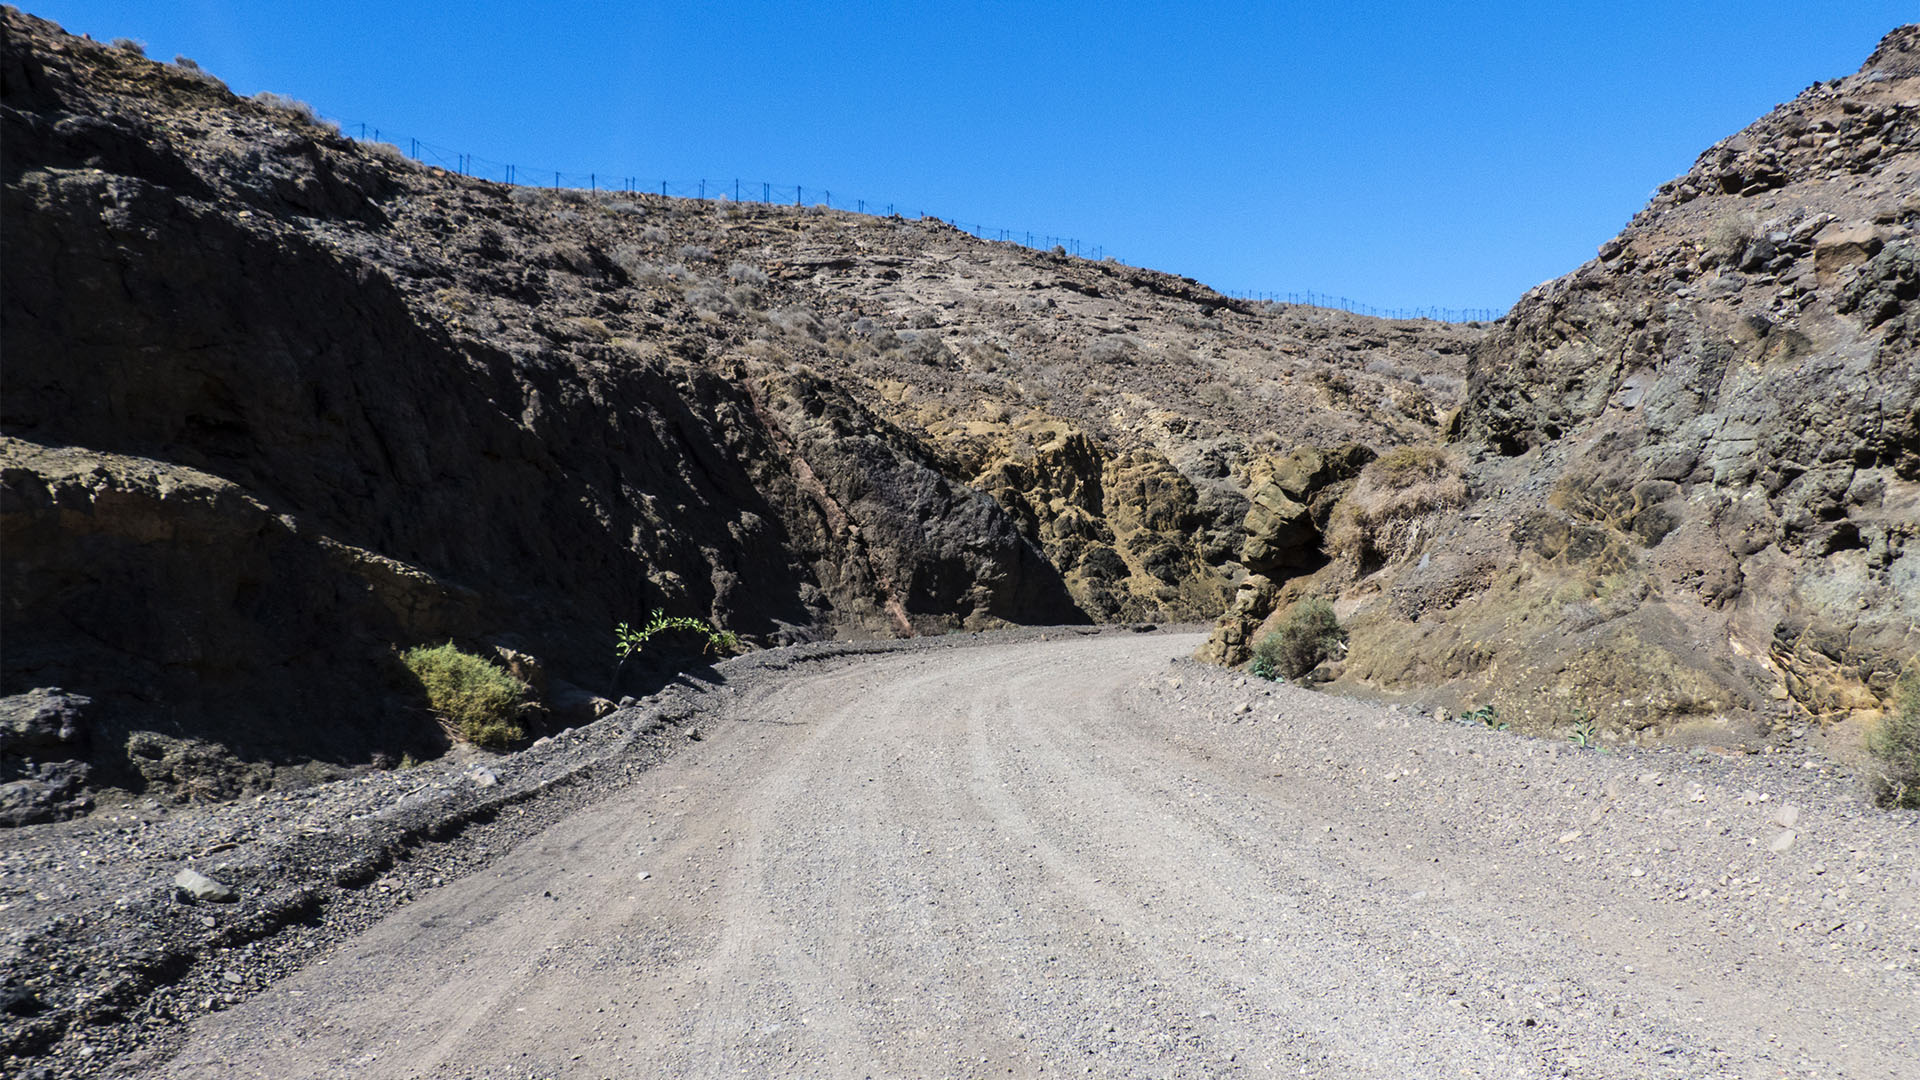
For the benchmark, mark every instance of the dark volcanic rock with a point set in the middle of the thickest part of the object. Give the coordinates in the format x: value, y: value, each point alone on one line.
x: 48, y: 791
x: 279, y: 404
x: 42, y: 722
x: 242, y: 466
x: 45, y: 739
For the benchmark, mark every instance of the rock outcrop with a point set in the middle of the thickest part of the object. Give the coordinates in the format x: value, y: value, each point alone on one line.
x: 278, y: 404
x: 1694, y: 462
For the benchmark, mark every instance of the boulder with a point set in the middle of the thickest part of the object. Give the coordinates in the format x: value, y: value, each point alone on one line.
x: 51, y: 791
x: 570, y: 706
x: 1280, y: 532
x: 43, y: 720
x: 1839, y: 246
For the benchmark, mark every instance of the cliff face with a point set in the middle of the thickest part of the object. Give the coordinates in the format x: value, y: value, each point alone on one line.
x: 1693, y: 462
x: 278, y: 403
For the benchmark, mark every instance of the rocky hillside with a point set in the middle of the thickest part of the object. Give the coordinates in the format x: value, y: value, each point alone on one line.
x: 1684, y: 495
x: 278, y: 404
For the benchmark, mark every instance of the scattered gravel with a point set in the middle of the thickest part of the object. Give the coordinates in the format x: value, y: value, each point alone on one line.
x: 1074, y: 857
x: 112, y: 935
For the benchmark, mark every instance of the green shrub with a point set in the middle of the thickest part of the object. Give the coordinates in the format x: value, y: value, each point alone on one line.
x: 1895, y: 744
x: 627, y: 640
x: 1586, y: 730
x: 1309, y: 635
x: 1486, y: 716
x: 477, y: 701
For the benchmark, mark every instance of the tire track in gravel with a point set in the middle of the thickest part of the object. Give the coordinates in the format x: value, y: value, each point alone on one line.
x: 1047, y: 859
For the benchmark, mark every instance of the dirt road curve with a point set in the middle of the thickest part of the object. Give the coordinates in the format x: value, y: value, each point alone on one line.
x: 1072, y: 858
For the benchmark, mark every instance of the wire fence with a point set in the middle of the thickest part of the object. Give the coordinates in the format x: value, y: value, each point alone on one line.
x: 1342, y: 303
x: 761, y: 191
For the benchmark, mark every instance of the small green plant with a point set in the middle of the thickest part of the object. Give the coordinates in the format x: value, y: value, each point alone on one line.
x: 627, y: 640
x: 1309, y: 635
x: 1895, y: 744
x: 475, y: 700
x: 1486, y: 716
x: 1586, y: 732
x: 1264, y: 664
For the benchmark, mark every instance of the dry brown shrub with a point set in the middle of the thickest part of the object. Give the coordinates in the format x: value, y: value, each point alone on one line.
x: 1895, y: 745
x: 1384, y: 517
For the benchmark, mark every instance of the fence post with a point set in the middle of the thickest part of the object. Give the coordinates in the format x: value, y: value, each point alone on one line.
x: 796, y: 194
x: 556, y: 179
x: 703, y: 188
x: 593, y: 182
x: 415, y: 144
x: 829, y: 200
x: 736, y: 189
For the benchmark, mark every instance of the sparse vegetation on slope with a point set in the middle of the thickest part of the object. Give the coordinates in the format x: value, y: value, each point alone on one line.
x: 1895, y: 744
x: 477, y: 701
x: 628, y: 640
x: 789, y: 422
x: 1381, y: 519
x: 1681, y: 489
x: 1309, y: 634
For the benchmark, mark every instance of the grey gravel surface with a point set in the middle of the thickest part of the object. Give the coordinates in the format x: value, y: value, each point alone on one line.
x: 1075, y: 857
x: 119, y: 928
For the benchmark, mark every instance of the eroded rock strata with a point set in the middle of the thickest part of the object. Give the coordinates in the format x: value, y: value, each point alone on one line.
x: 1692, y: 465
x: 279, y: 403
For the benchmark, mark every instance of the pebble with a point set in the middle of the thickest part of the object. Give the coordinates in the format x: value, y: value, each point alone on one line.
x: 1783, y: 841
x: 199, y: 886
x: 483, y: 776
x: 1787, y: 816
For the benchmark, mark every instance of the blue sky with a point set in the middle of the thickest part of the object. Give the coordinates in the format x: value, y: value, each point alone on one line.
x: 1401, y: 154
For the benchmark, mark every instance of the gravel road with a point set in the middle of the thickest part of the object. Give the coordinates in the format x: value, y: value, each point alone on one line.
x: 1091, y: 857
